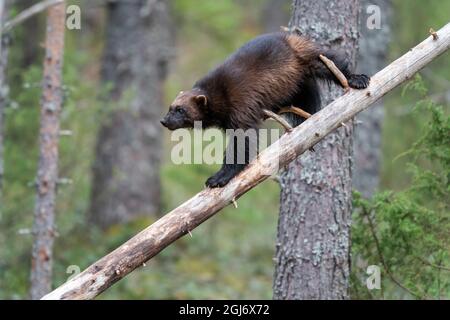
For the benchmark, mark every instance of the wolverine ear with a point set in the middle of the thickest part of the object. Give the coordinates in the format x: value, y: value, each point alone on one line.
x: 201, y: 100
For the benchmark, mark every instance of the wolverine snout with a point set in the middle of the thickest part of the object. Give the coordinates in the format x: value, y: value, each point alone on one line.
x: 170, y: 123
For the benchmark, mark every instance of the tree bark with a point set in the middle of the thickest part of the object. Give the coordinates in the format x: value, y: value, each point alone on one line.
x: 180, y: 221
x: 367, y: 138
x: 3, y: 89
x: 126, y: 180
x: 313, y: 241
x: 47, y: 175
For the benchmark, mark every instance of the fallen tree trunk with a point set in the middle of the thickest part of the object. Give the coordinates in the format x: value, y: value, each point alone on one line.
x: 180, y: 221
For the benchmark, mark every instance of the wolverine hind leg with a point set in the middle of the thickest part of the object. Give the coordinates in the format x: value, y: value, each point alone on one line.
x: 322, y: 71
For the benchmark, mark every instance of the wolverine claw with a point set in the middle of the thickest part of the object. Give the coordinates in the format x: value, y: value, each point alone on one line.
x: 358, y: 81
x: 217, y: 181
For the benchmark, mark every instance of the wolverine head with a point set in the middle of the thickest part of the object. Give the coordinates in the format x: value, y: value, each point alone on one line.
x: 187, y: 108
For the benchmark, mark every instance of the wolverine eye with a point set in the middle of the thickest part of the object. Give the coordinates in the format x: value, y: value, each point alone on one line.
x: 179, y: 109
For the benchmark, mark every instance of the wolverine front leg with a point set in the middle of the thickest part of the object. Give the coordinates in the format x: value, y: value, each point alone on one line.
x: 240, y: 151
x: 224, y: 175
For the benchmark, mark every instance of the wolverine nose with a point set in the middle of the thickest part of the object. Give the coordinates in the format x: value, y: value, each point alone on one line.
x: 163, y: 122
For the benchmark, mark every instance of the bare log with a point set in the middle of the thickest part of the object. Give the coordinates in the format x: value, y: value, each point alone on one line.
x: 47, y: 175
x: 28, y: 13
x: 180, y: 221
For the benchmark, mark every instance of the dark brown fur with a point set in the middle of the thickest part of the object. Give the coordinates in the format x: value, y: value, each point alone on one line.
x: 263, y: 74
x: 269, y: 72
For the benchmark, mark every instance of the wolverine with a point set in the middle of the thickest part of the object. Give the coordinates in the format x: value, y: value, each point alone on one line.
x: 270, y: 72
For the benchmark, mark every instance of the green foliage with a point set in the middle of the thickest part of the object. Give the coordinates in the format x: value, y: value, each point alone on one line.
x: 401, y: 128
x: 225, y: 14
x: 406, y: 232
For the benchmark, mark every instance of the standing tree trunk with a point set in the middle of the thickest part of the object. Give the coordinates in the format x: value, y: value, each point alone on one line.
x: 126, y: 180
x: 3, y: 89
x: 47, y: 175
x: 367, y: 137
x: 313, y: 241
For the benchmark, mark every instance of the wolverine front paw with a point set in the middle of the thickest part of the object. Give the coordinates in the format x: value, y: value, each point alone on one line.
x: 358, y: 81
x: 218, y: 180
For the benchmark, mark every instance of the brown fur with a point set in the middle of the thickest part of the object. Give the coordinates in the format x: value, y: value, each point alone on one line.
x: 264, y: 73
x: 269, y: 72
x: 263, y: 76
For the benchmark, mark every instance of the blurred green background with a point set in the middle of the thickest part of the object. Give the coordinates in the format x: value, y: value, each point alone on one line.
x: 229, y: 256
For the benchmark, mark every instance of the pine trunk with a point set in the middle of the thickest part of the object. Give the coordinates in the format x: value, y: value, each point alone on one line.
x: 47, y: 175
x: 313, y: 241
x: 126, y: 180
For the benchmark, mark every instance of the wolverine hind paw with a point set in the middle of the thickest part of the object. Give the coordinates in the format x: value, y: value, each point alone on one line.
x: 358, y: 81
